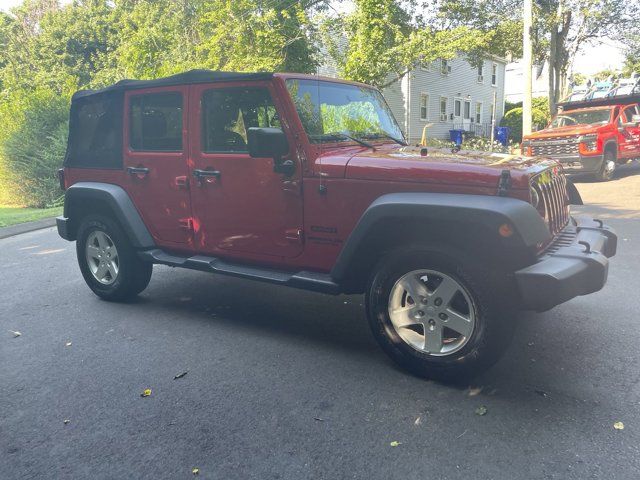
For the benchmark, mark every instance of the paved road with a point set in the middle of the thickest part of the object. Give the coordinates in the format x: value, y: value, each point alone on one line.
x: 289, y: 384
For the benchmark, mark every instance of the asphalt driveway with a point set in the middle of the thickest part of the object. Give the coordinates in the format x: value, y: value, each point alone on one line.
x: 288, y: 384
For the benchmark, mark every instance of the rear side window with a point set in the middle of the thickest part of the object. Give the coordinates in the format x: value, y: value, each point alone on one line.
x: 227, y: 113
x: 95, y: 131
x: 155, y: 122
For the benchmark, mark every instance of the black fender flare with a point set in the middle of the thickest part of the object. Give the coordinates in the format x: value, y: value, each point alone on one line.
x: 117, y: 201
x: 528, y: 227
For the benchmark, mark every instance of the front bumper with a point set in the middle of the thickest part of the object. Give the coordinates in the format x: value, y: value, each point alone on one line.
x: 580, y: 163
x: 64, y: 228
x: 575, y: 263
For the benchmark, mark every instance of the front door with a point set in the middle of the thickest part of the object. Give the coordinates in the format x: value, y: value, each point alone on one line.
x: 155, y: 161
x: 629, y: 136
x: 240, y: 205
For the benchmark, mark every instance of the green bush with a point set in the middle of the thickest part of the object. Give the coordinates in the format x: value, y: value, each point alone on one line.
x: 513, y: 120
x: 33, y: 146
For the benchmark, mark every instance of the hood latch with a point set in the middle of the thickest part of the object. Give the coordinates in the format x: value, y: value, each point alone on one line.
x: 505, y: 183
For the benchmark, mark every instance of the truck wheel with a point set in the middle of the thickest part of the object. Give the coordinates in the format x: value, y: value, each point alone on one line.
x: 436, y: 318
x: 608, y: 167
x: 108, y: 262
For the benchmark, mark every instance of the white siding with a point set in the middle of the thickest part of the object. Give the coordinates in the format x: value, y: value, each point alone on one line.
x: 461, y: 83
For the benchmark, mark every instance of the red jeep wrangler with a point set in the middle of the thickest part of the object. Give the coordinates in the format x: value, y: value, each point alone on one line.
x: 590, y: 139
x: 306, y: 182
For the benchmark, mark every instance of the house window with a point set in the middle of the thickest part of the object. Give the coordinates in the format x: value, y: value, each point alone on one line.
x: 478, y: 112
x: 467, y: 109
x: 481, y: 73
x: 494, y: 74
x: 443, y: 109
x: 424, y: 106
x: 425, y: 66
x: 457, y: 107
x: 445, y: 68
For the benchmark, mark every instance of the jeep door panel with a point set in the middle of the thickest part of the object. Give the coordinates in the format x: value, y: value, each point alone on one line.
x: 240, y: 205
x: 155, y: 161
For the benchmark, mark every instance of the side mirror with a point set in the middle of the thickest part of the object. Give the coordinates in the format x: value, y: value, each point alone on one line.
x: 270, y: 143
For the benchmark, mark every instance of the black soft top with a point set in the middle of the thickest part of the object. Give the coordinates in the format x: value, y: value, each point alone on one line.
x: 185, y: 78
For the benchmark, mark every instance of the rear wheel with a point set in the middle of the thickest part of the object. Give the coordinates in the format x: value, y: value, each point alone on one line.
x: 108, y: 261
x: 608, y: 167
x: 436, y: 318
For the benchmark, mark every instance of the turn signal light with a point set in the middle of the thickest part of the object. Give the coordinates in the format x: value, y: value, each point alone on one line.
x: 505, y: 230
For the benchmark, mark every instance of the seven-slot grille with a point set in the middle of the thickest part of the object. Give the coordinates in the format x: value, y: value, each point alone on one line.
x: 555, y: 146
x: 551, y: 187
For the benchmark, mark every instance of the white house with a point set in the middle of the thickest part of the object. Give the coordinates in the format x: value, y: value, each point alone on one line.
x: 514, y: 81
x: 449, y: 94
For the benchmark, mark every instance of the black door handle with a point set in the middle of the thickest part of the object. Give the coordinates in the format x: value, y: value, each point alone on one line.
x: 137, y: 170
x: 202, y: 175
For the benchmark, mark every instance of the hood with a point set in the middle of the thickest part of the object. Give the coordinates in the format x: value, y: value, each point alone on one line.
x: 568, y: 131
x: 408, y: 164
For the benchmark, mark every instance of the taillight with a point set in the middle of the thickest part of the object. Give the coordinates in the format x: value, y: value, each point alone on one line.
x: 61, y: 178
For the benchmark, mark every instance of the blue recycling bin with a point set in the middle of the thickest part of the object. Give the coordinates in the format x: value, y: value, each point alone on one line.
x: 502, y: 135
x: 456, y: 136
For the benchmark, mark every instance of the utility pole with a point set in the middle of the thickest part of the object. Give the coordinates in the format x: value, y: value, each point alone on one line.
x: 527, y: 65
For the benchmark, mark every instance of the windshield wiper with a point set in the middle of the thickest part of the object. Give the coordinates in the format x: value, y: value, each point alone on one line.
x: 386, y: 135
x: 344, y: 135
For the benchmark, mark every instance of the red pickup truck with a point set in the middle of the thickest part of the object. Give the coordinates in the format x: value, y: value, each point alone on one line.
x: 590, y: 139
x: 307, y: 182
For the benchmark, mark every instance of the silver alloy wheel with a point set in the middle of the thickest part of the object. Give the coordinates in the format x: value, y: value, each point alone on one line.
x: 102, y: 257
x: 432, y: 312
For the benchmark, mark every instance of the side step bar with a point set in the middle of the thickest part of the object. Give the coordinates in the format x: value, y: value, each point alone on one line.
x: 314, y: 281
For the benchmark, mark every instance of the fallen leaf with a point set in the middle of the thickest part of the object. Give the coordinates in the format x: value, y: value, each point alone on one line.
x: 180, y: 375
x: 146, y: 393
x: 15, y: 334
x: 195, y: 471
x: 68, y: 344
x: 318, y: 419
x: 395, y: 443
x: 473, y: 391
x: 481, y: 410
x: 66, y: 421
x: 418, y: 421
x: 618, y: 426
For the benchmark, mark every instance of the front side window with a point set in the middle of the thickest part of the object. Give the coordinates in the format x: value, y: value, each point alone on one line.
x: 329, y: 110
x: 155, y: 122
x: 584, y: 117
x: 227, y: 114
x: 494, y: 74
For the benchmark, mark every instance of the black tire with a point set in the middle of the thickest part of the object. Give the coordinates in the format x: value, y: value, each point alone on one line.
x: 494, y: 315
x: 133, y: 275
x: 605, y: 174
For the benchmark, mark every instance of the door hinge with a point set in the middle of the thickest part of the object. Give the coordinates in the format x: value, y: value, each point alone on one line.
x: 182, y: 182
x: 294, y: 235
x: 186, y: 224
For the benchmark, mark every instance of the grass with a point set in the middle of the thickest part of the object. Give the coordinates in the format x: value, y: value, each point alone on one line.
x: 14, y: 215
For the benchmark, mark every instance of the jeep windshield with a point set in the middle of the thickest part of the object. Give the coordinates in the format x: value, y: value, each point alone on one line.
x: 584, y: 117
x: 339, y: 112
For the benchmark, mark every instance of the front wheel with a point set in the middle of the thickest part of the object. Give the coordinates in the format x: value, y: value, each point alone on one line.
x: 108, y: 261
x: 436, y: 318
x: 608, y: 167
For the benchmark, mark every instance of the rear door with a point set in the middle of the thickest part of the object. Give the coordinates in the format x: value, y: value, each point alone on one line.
x: 241, y: 206
x: 155, y: 161
x: 629, y: 136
